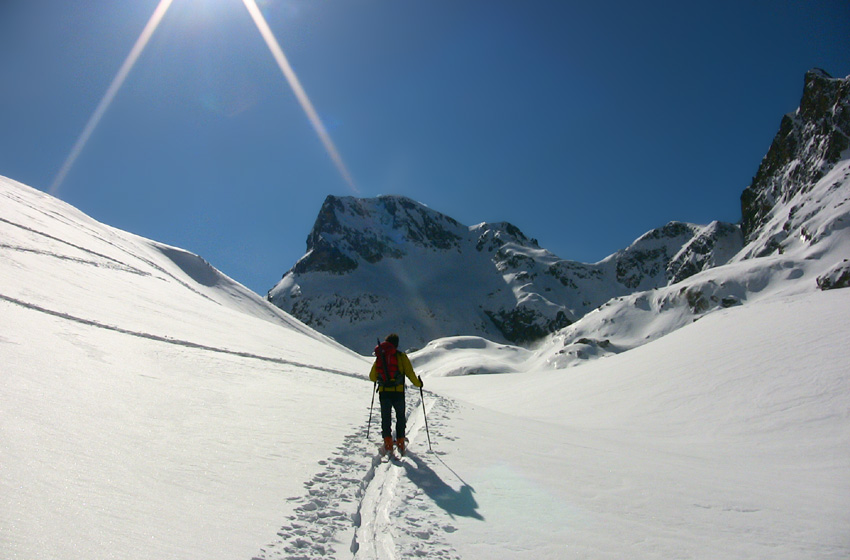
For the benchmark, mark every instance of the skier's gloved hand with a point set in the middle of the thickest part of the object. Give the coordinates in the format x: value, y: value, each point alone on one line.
x: 420, y: 380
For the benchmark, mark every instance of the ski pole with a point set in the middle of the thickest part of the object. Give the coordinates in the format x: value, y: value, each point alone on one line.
x: 371, y: 406
x: 425, y: 416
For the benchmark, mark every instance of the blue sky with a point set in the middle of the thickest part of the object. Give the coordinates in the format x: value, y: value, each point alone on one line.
x: 583, y: 123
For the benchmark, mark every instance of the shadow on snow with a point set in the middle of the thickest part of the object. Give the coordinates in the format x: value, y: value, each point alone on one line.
x: 459, y: 503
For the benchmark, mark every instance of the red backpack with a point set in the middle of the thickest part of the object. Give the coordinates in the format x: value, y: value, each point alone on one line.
x: 386, y: 365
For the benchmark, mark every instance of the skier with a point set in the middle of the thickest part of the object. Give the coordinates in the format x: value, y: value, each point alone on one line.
x: 390, y: 368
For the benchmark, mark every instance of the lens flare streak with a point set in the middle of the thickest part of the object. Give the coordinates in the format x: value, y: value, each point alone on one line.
x: 116, y: 84
x: 298, y: 89
x: 139, y: 46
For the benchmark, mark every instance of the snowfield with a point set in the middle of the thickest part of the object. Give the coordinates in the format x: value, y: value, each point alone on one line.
x: 151, y: 407
x: 729, y: 438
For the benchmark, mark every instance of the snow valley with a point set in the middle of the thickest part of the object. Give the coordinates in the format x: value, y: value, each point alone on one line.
x: 151, y: 407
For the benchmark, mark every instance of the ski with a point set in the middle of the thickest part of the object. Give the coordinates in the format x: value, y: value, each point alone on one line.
x: 394, y: 455
x: 385, y: 453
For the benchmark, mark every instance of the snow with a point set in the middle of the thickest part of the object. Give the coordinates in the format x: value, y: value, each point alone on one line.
x: 151, y: 407
x: 728, y: 438
x: 149, y: 403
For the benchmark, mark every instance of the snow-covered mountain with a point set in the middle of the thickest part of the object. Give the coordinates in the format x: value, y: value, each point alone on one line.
x: 778, y: 205
x: 389, y: 263
x: 795, y: 224
x: 392, y: 264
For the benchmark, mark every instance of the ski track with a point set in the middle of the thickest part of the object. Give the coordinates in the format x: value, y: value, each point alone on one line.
x: 170, y: 340
x: 365, y: 507
x: 110, y: 261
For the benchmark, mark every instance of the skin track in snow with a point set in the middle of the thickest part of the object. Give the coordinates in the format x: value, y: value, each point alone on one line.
x: 376, y: 509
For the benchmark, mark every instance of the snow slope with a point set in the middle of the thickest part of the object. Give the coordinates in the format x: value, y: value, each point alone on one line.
x: 815, y: 245
x: 152, y: 408
x: 729, y: 438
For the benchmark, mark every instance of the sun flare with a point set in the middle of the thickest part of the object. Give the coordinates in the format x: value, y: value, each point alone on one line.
x: 116, y: 84
x: 298, y: 90
x: 135, y: 53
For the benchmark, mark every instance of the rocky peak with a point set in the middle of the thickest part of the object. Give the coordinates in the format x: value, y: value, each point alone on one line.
x: 644, y: 263
x: 494, y: 236
x: 713, y: 245
x: 351, y: 230
x: 809, y: 143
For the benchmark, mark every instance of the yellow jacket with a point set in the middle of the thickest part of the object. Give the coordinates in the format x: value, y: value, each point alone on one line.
x: 405, y: 367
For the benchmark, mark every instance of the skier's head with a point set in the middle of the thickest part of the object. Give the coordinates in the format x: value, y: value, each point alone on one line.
x: 392, y: 339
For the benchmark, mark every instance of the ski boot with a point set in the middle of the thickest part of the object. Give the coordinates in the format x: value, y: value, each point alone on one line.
x: 388, y: 445
x: 400, y: 444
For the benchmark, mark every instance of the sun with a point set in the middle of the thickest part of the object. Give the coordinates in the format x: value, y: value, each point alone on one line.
x: 277, y: 54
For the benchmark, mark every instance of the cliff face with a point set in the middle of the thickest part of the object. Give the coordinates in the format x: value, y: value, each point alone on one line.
x: 809, y: 143
x: 350, y: 231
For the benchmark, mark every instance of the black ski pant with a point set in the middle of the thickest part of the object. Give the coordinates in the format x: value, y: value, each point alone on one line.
x: 392, y: 400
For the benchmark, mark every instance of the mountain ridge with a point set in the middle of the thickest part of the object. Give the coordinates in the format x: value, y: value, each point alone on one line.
x: 393, y: 264
x: 810, y: 141
x: 366, y: 255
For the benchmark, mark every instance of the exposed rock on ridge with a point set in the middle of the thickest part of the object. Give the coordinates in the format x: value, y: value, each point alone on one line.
x: 349, y: 231
x: 797, y: 220
x: 809, y: 143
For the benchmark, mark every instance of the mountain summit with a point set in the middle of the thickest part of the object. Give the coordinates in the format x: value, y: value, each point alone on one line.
x: 390, y: 263
x: 350, y: 231
x: 810, y: 142
x: 393, y: 264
